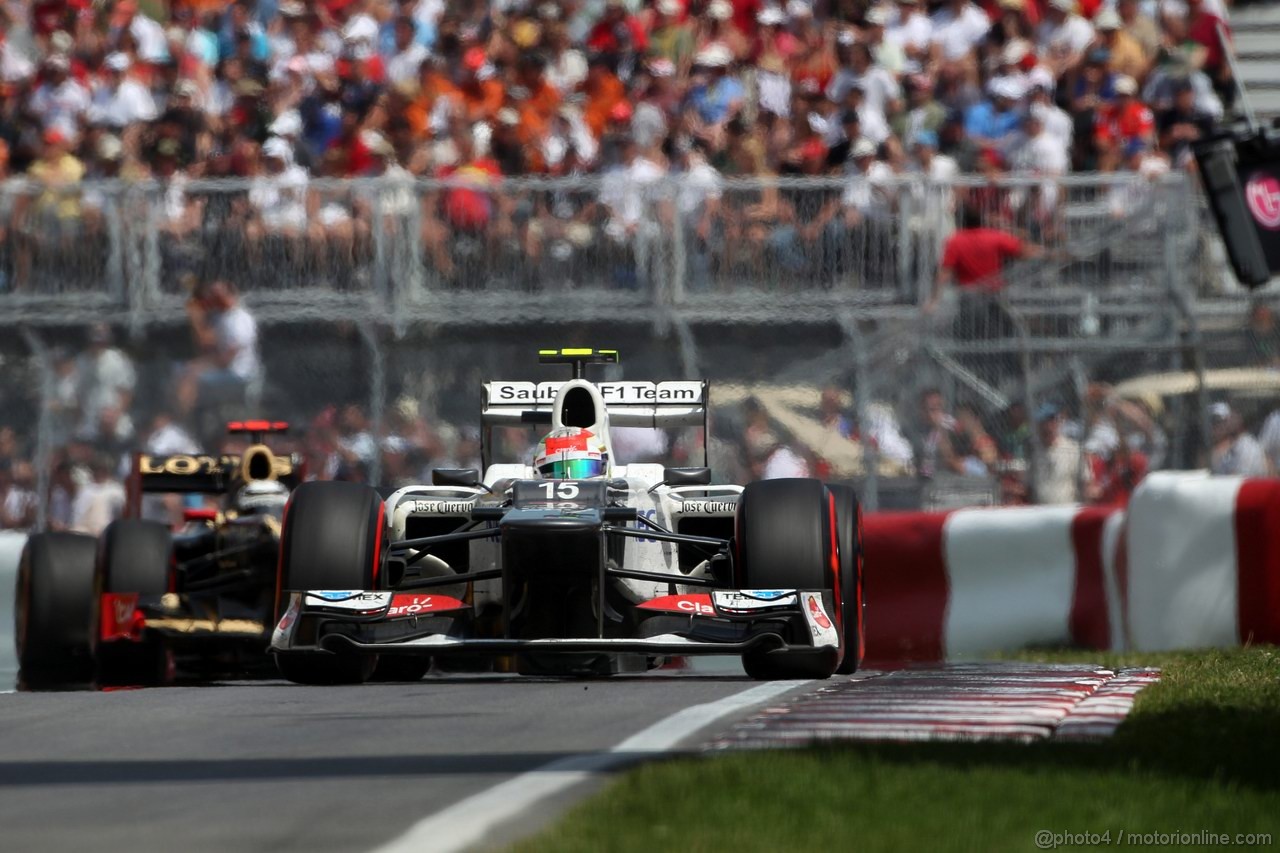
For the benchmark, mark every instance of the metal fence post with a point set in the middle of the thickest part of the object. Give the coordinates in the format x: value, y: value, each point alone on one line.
x: 381, y: 274
x: 377, y: 392
x: 146, y: 290
x: 908, y: 221
x: 1183, y: 309
x: 675, y: 291
x: 44, y: 425
x: 862, y: 410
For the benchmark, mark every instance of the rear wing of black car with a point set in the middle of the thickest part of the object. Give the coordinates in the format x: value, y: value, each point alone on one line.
x: 185, y: 473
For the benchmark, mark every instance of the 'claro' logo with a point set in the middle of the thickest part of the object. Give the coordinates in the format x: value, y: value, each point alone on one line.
x: 183, y: 465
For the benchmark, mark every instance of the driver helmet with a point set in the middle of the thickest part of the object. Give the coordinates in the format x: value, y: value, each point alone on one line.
x: 259, y: 496
x: 571, y: 453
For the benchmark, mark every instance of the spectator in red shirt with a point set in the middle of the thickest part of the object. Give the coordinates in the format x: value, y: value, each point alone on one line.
x: 973, y: 259
x: 617, y: 32
x: 1115, y: 478
x: 1125, y: 120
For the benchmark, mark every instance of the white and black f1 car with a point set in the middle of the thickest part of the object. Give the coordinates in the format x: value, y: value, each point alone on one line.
x: 572, y: 576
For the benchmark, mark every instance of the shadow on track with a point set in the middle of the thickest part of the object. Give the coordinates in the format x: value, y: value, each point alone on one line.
x: 128, y: 772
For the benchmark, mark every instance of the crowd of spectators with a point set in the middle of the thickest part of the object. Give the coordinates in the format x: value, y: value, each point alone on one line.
x: 283, y: 91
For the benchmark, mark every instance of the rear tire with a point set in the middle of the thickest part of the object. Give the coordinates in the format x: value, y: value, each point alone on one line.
x: 849, y: 530
x: 332, y: 538
x: 784, y: 541
x: 53, y: 609
x: 134, y: 556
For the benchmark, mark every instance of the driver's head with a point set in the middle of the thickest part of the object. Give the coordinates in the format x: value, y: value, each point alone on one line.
x: 571, y: 453
x: 260, y: 497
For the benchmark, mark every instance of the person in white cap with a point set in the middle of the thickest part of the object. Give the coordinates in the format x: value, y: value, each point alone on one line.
x: 1040, y: 153
x: 120, y: 100
x: 994, y: 122
x: 867, y: 194
x: 888, y: 55
x: 1127, y: 55
x: 911, y: 30
x: 1235, y: 451
x: 60, y: 101
x: 958, y: 27
x: 1010, y: 62
x: 1063, y: 37
x: 1057, y: 121
x: 716, y: 96
x: 717, y: 28
x: 278, y: 196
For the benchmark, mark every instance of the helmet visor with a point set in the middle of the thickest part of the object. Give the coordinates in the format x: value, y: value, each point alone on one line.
x: 572, y: 469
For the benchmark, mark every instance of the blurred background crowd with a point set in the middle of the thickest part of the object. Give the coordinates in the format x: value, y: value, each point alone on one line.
x: 273, y: 96
x: 344, y: 88
x: 280, y: 93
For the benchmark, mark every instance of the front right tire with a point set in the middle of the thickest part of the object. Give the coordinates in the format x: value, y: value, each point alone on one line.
x: 332, y: 538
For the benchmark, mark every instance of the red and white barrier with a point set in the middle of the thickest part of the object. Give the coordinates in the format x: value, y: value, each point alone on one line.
x: 11, y: 544
x: 956, y: 584
x: 1202, y: 562
x: 1194, y: 562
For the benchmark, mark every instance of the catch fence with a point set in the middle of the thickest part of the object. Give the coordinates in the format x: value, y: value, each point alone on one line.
x: 382, y: 304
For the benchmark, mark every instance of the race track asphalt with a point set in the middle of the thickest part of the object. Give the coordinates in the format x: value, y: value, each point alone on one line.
x: 270, y: 766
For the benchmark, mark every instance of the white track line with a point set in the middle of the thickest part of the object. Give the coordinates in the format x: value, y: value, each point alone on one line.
x: 466, y: 823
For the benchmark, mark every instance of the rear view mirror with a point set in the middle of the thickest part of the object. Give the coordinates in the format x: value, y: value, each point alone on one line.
x: 686, y: 476
x: 466, y: 477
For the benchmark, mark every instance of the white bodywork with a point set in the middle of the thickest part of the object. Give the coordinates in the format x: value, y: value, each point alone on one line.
x: 663, y: 404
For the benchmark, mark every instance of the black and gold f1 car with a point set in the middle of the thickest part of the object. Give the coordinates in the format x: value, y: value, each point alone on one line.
x: 144, y: 602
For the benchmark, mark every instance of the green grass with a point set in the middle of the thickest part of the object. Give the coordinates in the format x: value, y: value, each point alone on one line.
x: 1199, y: 752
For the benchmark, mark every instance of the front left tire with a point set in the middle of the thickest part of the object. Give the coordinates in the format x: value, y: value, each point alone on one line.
x: 785, y: 539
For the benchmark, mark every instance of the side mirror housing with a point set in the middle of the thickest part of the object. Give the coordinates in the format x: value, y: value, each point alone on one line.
x: 686, y: 476
x: 467, y: 477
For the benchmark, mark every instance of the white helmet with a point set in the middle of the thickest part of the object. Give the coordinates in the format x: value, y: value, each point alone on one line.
x: 571, y: 453
x: 261, y: 496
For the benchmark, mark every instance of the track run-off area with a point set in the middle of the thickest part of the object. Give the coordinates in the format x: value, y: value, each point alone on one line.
x: 453, y: 762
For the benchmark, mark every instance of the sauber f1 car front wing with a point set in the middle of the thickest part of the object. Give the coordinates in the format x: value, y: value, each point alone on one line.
x: 716, y: 622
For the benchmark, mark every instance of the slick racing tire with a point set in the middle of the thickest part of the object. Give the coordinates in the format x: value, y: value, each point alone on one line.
x: 134, y: 556
x: 784, y: 532
x: 849, y: 530
x: 332, y: 538
x: 53, y: 610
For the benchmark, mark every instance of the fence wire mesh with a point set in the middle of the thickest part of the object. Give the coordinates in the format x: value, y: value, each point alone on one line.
x: 368, y: 313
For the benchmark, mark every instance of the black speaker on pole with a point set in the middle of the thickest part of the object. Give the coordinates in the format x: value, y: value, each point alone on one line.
x: 1241, y: 176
